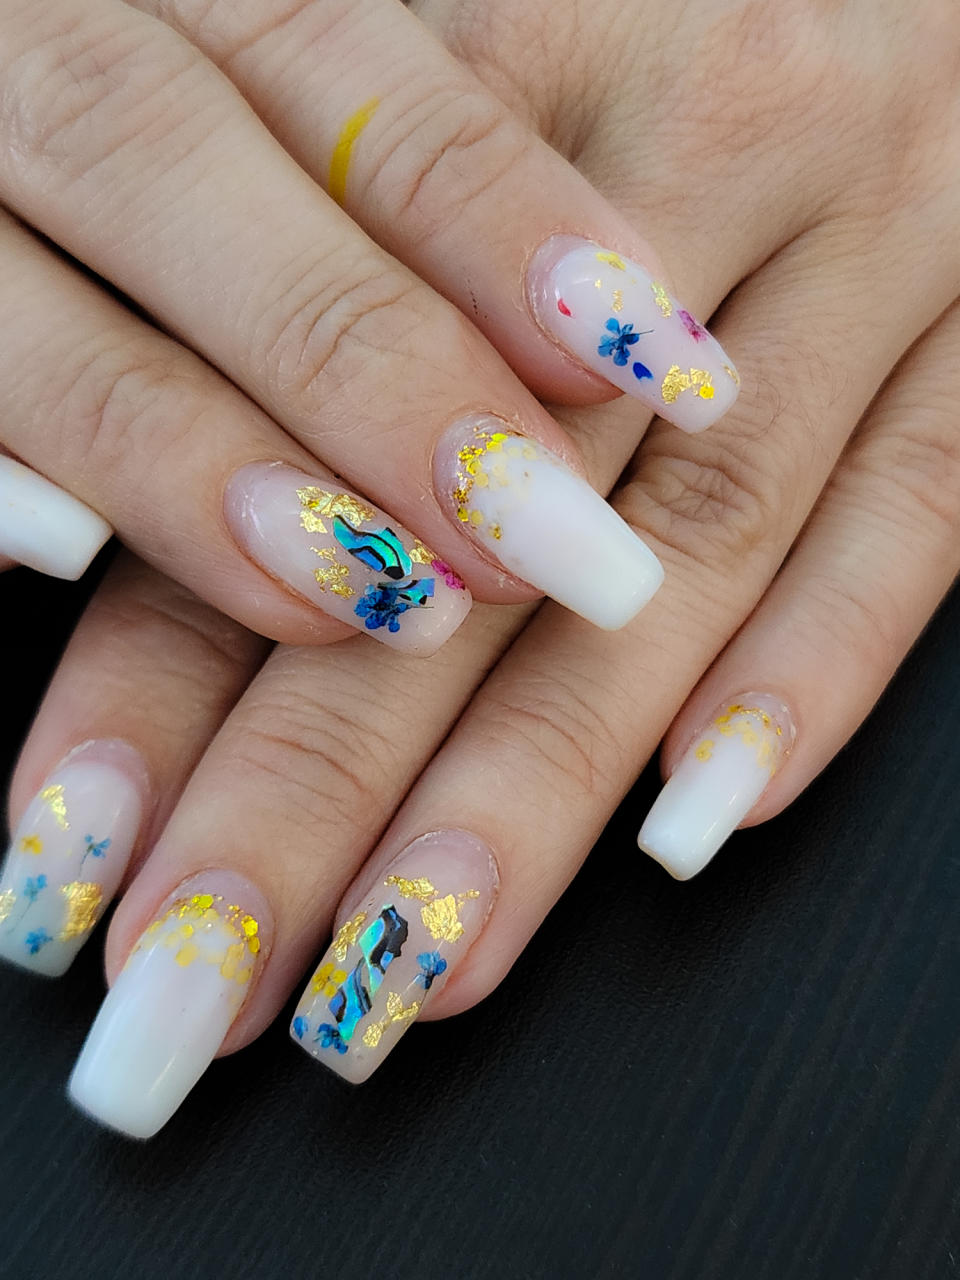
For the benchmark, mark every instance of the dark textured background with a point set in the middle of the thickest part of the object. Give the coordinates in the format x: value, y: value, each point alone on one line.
x: 753, y: 1076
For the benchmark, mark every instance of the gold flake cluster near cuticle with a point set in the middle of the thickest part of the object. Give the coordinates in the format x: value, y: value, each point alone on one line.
x: 662, y: 298
x: 83, y: 899
x: 440, y: 915
x: 347, y: 935
x: 318, y: 503
x: 755, y: 728
x: 676, y: 381
x: 198, y: 917
x: 481, y: 468
x: 53, y: 798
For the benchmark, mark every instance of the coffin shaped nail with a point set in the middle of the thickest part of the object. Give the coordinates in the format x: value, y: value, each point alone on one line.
x: 621, y: 323
x: 393, y: 950
x: 345, y: 556
x: 68, y: 855
x: 43, y: 526
x: 544, y: 522
x: 720, y: 778
x: 166, y: 1015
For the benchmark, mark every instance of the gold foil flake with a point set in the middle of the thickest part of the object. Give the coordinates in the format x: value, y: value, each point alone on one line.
x: 755, y: 728
x: 348, y: 935
x: 335, y: 579
x: 705, y: 750
x: 83, y: 900
x: 612, y: 259
x: 396, y: 1012
x: 676, y: 381
x: 420, y: 888
x: 496, y: 532
x: 318, y: 503
x: 617, y: 303
x: 53, y: 797
x: 187, y: 954
x: 472, y: 472
x: 441, y: 919
x: 662, y: 299
x: 598, y: 283
x: 371, y: 1037
x: 421, y: 554
x: 31, y: 844
x: 732, y: 373
x: 7, y: 902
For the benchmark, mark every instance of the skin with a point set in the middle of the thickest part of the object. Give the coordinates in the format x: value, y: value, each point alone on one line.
x: 796, y: 162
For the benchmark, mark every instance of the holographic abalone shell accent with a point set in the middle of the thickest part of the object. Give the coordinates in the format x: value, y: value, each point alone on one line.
x: 381, y: 942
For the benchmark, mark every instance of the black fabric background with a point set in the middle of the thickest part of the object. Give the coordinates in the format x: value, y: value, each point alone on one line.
x: 755, y: 1075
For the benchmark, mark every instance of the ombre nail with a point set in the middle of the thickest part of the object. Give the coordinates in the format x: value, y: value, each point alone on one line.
x: 544, y: 522
x: 167, y: 1014
x: 721, y: 777
x: 68, y: 855
x: 393, y: 950
x: 345, y: 556
x: 620, y: 322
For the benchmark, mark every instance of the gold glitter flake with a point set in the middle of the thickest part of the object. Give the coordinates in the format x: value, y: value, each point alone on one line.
x: 7, y: 902
x: 317, y: 504
x: 348, y: 935
x: 617, y: 303
x: 473, y: 459
x: 421, y: 554
x: 371, y: 1037
x: 676, y: 382
x: 612, y: 259
x: 31, y: 844
x: 705, y: 750
x: 420, y: 888
x: 53, y: 797
x: 83, y: 900
x: 732, y: 374
x: 334, y: 579
x: 441, y: 919
x: 662, y: 299
x: 755, y: 729
x: 396, y: 1012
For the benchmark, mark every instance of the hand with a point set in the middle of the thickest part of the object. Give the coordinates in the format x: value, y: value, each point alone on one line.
x: 312, y: 760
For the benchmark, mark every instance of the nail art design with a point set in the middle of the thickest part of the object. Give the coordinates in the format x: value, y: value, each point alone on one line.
x: 544, y: 522
x: 346, y: 556
x: 68, y: 855
x: 623, y: 324
x: 166, y: 1016
x: 716, y: 784
x: 385, y: 958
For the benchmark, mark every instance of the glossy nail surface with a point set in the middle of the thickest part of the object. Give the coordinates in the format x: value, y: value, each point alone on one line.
x: 721, y: 777
x: 345, y: 556
x: 617, y: 320
x: 166, y: 1015
x: 393, y: 950
x: 68, y: 855
x: 544, y: 522
x: 43, y: 526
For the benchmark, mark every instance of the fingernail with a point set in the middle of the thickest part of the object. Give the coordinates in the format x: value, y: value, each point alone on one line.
x: 345, y: 556
x: 68, y: 855
x: 166, y: 1015
x: 544, y: 522
x: 394, y: 950
x: 721, y: 777
x: 621, y: 323
x: 43, y: 526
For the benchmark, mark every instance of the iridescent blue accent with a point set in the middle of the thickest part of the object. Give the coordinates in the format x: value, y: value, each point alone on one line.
x: 432, y: 964
x: 36, y: 939
x: 640, y: 371
x: 300, y: 1027
x: 418, y: 593
x: 380, y: 550
x: 617, y: 345
x: 380, y: 943
x: 31, y: 889
x: 330, y: 1038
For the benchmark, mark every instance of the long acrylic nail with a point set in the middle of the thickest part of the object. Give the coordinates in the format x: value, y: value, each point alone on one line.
x: 720, y: 778
x: 621, y: 323
x: 543, y: 522
x: 68, y: 855
x: 166, y: 1015
x: 394, y: 949
x: 43, y: 526
x: 345, y: 556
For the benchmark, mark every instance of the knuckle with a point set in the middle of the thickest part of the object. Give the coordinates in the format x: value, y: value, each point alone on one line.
x: 917, y: 467
x: 858, y: 620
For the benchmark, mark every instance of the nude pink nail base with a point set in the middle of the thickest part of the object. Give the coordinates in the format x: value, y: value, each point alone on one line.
x: 345, y: 556
x: 621, y: 323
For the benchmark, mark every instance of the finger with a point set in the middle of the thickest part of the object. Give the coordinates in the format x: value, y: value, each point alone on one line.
x: 43, y: 526
x: 145, y: 682
x: 275, y: 820
x: 878, y: 556
x: 152, y: 437
x: 436, y: 169
x: 359, y: 359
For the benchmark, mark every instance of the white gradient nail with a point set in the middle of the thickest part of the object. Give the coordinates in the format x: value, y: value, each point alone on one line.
x: 43, y: 526
x: 621, y: 323
x: 345, y: 556
x: 68, y: 855
x: 722, y: 775
x: 394, y: 949
x: 166, y: 1015
x: 544, y: 522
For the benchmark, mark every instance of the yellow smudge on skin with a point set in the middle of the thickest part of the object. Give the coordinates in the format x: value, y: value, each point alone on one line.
x: 342, y: 152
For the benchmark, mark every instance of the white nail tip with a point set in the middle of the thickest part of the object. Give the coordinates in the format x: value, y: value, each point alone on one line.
x: 166, y: 1016
x: 44, y: 527
x: 548, y: 526
x: 716, y: 784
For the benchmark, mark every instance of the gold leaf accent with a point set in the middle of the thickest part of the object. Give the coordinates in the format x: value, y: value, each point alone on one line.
x: 7, y: 900
x: 395, y: 1010
x: 662, y: 299
x: 421, y: 554
x: 83, y: 900
x: 732, y: 373
x: 617, y: 300
x: 676, y: 381
x: 371, y: 1037
x: 57, y: 805
x: 441, y: 919
x: 335, y: 579
x: 420, y: 888
x: 32, y: 844
x: 705, y: 750
x: 347, y: 935
x: 317, y: 503
x: 612, y: 259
